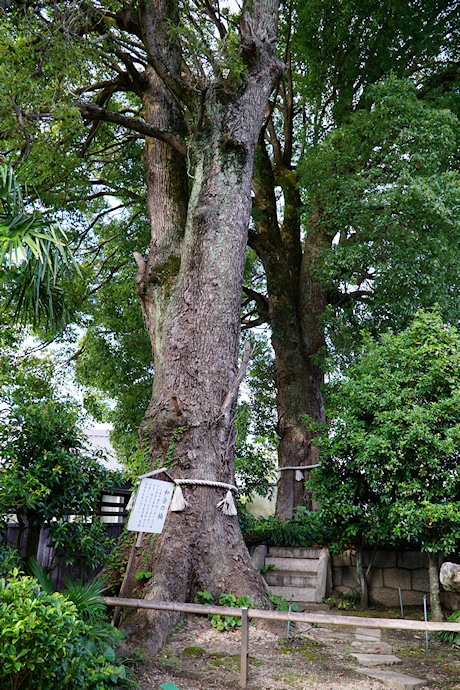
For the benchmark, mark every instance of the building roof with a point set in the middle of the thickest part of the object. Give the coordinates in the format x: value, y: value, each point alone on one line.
x: 98, y: 439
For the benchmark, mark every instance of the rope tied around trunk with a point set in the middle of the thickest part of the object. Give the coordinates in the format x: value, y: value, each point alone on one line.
x: 227, y: 504
x: 299, y: 471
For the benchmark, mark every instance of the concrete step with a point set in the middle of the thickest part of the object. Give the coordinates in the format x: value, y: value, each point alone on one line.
x: 369, y: 660
x: 309, y: 565
x: 372, y: 647
x: 293, y: 552
x: 288, y: 578
x: 365, y: 633
x: 392, y: 679
x: 300, y: 594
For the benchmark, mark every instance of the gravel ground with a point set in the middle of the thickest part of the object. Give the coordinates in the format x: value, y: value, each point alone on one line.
x: 198, y: 657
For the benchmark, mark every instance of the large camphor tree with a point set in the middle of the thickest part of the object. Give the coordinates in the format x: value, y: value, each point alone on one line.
x: 353, y: 194
x: 201, y: 116
x: 355, y: 190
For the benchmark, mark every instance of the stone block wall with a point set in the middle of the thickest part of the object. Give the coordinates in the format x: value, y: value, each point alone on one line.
x: 390, y: 570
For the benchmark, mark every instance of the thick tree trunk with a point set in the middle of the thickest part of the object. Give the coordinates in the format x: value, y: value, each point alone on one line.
x: 295, y: 305
x: 298, y: 381
x: 190, y: 289
x: 435, y: 600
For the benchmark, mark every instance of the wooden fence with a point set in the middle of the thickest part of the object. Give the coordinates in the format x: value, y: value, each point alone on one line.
x: 111, y: 511
x: 47, y: 558
x: 246, y: 613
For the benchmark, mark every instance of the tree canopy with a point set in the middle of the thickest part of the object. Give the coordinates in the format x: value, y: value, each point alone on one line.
x: 385, y: 185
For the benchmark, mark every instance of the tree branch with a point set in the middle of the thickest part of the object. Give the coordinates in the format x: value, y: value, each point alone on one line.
x: 246, y: 325
x: 104, y: 282
x: 91, y: 111
x: 233, y: 392
x: 339, y: 299
x: 210, y: 11
x: 260, y: 300
x: 179, y: 88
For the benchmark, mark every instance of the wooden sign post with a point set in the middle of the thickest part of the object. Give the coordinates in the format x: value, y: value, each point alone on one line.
x: 148, y: 514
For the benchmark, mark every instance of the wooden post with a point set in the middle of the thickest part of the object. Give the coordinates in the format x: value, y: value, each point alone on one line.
x: 124, y: 584
x: 244, y: 647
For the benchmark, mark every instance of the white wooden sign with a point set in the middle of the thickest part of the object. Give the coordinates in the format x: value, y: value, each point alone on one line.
x: 151, y: 505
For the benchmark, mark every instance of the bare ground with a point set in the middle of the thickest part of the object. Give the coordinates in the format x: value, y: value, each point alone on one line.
x: 198, y: 657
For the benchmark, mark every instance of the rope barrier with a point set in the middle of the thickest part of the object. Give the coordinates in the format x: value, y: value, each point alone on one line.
x: 299, y: 470
x: 227, y: 504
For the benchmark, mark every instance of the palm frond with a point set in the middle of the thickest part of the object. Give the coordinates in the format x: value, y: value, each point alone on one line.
x: 40, y: 573
x: 33, y: 255
x: 87, y: 597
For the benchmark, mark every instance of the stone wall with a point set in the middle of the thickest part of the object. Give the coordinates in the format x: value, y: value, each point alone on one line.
x: 390, y: 570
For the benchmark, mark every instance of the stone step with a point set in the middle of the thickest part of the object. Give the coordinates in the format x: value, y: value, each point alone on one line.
x: 370, y: 660
x: 288, y: 578
x: 294, y: 552
x: 372, y: 647
x: 365, y: 638
x: 309, y: 565
x: 300, y: 594
x: 365, y: 633
x: 392, y: 679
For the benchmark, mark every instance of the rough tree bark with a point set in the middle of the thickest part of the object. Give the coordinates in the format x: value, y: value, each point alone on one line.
x: 190, y: 289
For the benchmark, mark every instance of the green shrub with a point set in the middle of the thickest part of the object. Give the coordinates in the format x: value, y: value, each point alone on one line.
x: 281, y: 604
x: 450, y: 636
x: 305, y: 529
x: 50, y: 474
x: 224, y: 622
x: 9, y: 559
x: 44, y: 644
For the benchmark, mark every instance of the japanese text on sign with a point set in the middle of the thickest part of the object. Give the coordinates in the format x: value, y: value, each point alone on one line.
x: 151, y: 505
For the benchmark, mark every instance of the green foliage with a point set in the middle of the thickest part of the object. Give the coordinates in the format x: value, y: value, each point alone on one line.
x: 450, y: 637
x: 280, y: 604
x: 255, y: 425
x: 24, y: 375
x: 116, y: 362
x: 347, y: 45
x: 343, y: 603
x: 231, y: 63
x: 88, y: 600
x: 386, y: 183
x: 304, y: 529
x: 170, y: 457
x: 143, y: 575
x: 33, y: 255
x: 9, y: 559
x: 44, y: 643
x: 267, y: 568
x: 49, y: 476
x: 224, y: 622
x: 205, y: 595
x: 389, y: 467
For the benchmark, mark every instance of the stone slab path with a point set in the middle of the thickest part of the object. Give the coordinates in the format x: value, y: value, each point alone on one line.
x: 378, y: 654
x: 377, y: 659
x: 395, y: 681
